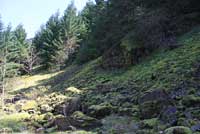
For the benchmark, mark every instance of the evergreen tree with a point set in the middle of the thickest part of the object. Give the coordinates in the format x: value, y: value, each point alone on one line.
x: 73, y: 31
x: 49, y: 42
x: 92, y: 16
x: 9, y: 53
x: 20, y: 46
x: 8, y: 67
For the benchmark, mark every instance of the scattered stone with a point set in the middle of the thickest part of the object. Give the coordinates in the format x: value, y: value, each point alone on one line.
x: 168, y: 115
x: 195, y: 127
x: 40, y: 130
x: 6, y: 131
x: 73, y: 90
x: 17, y: 97
x: 158, y: 95
x: 179, y: 92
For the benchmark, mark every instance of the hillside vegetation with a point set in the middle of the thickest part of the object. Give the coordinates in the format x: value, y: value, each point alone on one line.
x: 151, y: 97
x: 116, y: 67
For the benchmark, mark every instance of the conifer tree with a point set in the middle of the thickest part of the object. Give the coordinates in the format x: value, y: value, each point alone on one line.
x: 73, y: 31
x: 8, y: 67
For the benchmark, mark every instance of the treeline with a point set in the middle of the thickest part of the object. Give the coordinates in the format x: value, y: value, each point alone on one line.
x: 17, y: 54
x: 58, y: 40
x: 122, y: 32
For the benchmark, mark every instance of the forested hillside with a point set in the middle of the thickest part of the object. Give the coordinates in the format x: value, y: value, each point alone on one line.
x: 116, y: 67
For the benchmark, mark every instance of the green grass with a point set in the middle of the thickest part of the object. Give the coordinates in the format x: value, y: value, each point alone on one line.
x: 169, y: 67
x: 14, y: 122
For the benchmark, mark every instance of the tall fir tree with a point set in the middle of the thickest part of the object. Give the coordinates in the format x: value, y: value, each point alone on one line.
x: 48, y: 41
x: 73, y: 31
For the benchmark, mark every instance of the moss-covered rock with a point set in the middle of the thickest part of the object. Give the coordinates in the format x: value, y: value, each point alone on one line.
x: 149, y: 123
x: 52, y: 103
x: 29, y: 105
x: 118, y: 125
x: 191, y: 100
x: 45, y: 108
x: 61, y: 123
x: 73, y: 90
x: 80, y: 120
x: 130, y: 110
x: 152, y: 103
x: 101, y: 110
x: 71, y: 105
x: 178, y: 130
x: 169, y: 115
x: 150, y: 109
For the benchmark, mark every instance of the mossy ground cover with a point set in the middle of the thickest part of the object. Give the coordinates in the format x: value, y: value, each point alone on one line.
x: 164, y: 69
x: 14, y: 122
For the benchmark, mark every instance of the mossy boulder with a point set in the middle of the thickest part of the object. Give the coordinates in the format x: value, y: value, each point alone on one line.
x: 45, y: 108
x: 29, y: 105
x: 178, y: 130
x: 149, y: 123
x: 80, y: 120
x: 52, y: 103
x: 150, y: 109
x: 39, y: 121
x: 152, y: 103
x: 115, y: 124
x: 101, y: 110
x: 129, y: 110
x: 169, y: 115
x: 71, y: 105
x: 73, y: 90
x: 61, y: 123
x: 191, y: 100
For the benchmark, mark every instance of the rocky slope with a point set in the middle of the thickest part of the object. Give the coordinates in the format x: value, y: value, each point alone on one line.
x: 161, y: 95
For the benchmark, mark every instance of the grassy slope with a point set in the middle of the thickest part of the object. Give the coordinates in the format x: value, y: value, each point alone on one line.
x: 168, y: 67
x: 163, y: 69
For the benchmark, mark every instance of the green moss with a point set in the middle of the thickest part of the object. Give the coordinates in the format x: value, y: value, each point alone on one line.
x: 150, y: 123
x: 80, y: 115
x: 101, y: 110
x: 191, y: 100
x: 81, y: 120
x: 78, y: 132
x: 14, y: 121
x: 178, y: 130
x: 177, y: 64
x: 163, y: 69
x: 29, y: 105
